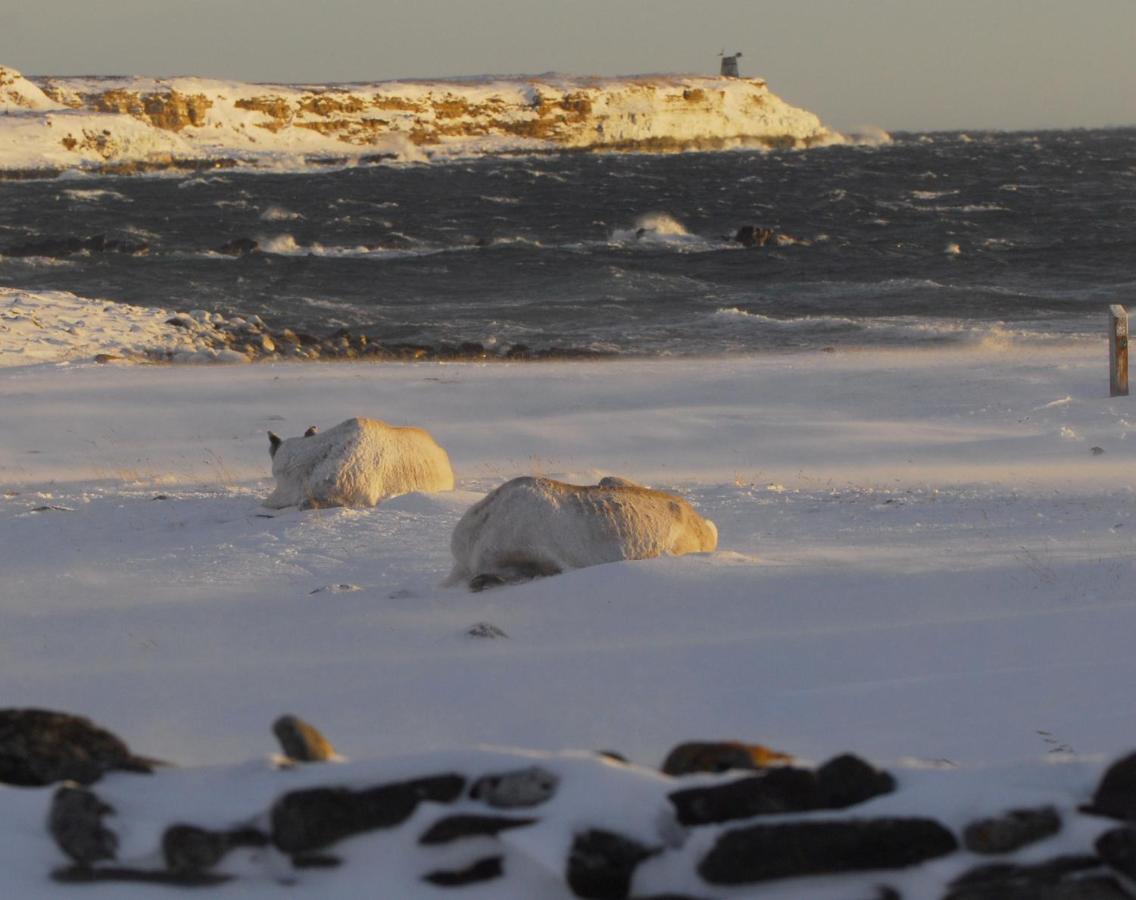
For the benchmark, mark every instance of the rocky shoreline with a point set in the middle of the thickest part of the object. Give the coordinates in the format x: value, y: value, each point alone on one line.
x: 240, y: 339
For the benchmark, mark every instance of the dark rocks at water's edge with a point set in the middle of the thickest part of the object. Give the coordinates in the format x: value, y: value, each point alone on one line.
x: 62, y: 247
x: 756, y: 236
x: 250, y: 339
x: 238, y: 247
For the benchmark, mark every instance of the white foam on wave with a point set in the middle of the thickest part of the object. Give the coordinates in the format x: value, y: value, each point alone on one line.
x: 932, y: 195
x: 661, y: 223
x: 867, y: 136
x: 910, y: 329
x: 279, y: 214
x: 657, y: 229
x: 286, y: 245
x: 790, y: 322
x: 94, y: 195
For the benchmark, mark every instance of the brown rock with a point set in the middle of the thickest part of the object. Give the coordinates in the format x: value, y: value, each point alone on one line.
x: 301, y: 741
x: 1011, y: 831
x: 40, y: 746
x: 75, y: 821
x: 720, y: 756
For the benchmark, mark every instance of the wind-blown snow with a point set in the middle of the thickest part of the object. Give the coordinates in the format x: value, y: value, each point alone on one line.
x: 921, y: 558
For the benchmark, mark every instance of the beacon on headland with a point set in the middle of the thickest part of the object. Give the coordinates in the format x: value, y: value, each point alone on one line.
x: 730, y: 65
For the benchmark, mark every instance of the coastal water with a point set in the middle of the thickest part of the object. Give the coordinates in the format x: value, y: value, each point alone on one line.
x: 930, y: 239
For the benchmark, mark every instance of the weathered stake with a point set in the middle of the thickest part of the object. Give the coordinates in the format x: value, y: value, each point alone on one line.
x: 1117, y: 351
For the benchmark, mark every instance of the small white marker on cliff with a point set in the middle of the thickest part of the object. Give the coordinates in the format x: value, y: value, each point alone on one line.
x: 1117, y: 351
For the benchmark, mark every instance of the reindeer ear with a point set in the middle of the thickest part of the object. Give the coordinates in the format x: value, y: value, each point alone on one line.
x: 311, y: 430
x: 274, y: 443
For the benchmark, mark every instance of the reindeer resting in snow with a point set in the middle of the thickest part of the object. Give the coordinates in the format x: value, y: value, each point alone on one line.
x: 530, y: 527
x: 357, y: 463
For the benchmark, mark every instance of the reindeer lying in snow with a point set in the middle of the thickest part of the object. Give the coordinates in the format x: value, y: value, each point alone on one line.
x: 530, y: 527
x: 357, y: 463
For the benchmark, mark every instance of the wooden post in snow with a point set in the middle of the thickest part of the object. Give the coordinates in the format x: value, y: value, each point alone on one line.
x: 1117, y: 351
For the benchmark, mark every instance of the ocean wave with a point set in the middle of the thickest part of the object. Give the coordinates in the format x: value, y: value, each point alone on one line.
x: 94, y: 195
x: 907, y: 330
x: 279, y: 214
x: 932, y: 195
x: 972, y: 208
x: 661, y: 229
x: 37, y: 262
x: 287, y: 245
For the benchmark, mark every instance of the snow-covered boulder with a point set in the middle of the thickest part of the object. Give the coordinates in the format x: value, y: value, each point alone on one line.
x: 357, y: 463
x: 530, y: 527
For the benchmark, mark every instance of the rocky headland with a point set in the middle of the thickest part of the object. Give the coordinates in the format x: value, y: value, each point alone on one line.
x: 126, y: 125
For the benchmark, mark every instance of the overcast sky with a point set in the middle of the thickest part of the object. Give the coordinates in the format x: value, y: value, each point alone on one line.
x: 898, y: 64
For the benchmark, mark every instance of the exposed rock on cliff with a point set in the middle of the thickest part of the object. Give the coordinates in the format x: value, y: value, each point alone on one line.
x: 66, y: 122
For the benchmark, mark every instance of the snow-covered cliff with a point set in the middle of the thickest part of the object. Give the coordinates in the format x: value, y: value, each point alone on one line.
x: 132, y: 124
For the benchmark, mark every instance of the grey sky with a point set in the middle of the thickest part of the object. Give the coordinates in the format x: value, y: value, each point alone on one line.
x: 899, y: 64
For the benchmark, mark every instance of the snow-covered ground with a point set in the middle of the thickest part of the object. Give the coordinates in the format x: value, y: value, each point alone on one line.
x: 924, y: 556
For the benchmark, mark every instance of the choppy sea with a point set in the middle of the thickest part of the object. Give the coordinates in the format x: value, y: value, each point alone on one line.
x: 932, y: 239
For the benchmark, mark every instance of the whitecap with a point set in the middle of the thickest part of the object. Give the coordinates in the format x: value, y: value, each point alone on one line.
x: 94, y: 195
x: 279, y: 214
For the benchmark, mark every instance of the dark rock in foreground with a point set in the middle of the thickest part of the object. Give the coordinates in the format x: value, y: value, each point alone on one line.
x: 300, y: 741
x: 1118, y: 850
x: 482, y: 870
x: 601, y: 863
x: 40, y: 746
x: 76, y: 823
x: 838, y: 784
x: 1115, y: 796
x: 454, y: 828
x: 307, y: 820
x: 1061, y: 878
x: 1011, y: 831
x: 189, y: 849
x: 127, y: 875
x: 795, y: 849
x: 524, y: 787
